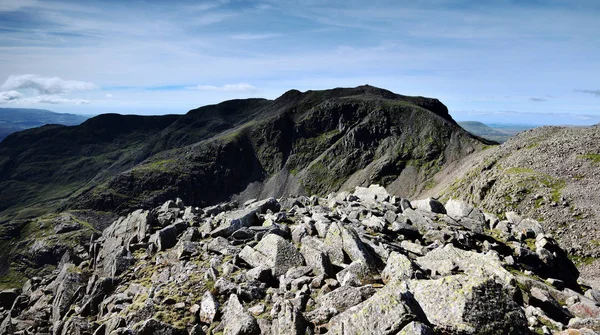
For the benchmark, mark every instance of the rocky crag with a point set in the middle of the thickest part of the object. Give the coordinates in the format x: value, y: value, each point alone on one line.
x: 302, y: 143
x: 550, y: 174
x: 349, y: 263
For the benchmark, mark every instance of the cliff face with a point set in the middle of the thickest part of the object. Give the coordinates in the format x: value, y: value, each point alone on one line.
x: 302, y: 143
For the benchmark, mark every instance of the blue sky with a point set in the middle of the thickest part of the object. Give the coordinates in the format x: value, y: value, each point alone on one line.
x: 509, y: 61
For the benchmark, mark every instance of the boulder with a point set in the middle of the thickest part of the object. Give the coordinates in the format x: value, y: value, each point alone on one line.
x: 457, y: 209
x: 317, y: 260
x: 274, y: 252
x: 236, y: 220
x: 416, y: 328
x: 469, y: 262
x: 208, y: 308
x: 289, y: 320
x: 430, y: 205
x: 345, y: 297
x: 237, y: 320
x: 371, y: 194
x: 468, y: 305
x: 167, y: 237
x: 398, y: 267
x: 386, y: 312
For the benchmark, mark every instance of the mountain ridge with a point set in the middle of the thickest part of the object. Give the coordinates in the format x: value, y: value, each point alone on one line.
x: 308, y: 143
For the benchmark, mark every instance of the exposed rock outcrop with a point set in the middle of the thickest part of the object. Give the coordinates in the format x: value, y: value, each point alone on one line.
x: 308, y: 265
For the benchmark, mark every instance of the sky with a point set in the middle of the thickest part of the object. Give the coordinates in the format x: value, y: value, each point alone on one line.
x: 510, y: 61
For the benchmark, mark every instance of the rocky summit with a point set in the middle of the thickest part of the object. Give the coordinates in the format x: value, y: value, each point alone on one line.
x: 349, y: 263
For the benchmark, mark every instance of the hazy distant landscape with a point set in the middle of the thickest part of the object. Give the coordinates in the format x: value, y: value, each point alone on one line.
x: 17, y: 119
x: 499, y: 132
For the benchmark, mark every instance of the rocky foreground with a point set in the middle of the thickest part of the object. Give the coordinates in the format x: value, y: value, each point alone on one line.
x: 361, y: 263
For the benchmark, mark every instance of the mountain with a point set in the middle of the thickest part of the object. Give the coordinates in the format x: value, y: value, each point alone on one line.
x: 493, y: 132
x: 485, y: 131
x: 351, y: 263
x: 549, y: 174
x: 16, y: 119
x: 316, y: 142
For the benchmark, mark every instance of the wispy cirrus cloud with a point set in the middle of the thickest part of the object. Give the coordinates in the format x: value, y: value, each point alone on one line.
x: 34, y: 89
x: 592, y: 92
x: 252, y: 37
x: 535, y: 99
x: 241, y: 87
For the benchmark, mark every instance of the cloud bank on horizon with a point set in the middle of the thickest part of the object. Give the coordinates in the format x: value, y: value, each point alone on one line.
x: 535, y: 59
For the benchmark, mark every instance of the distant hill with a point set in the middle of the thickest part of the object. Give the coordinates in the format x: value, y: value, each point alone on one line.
x: 17, y: 119
x: 495, y: 132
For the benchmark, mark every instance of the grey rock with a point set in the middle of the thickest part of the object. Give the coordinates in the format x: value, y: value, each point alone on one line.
x: 544, y: 300
x: 70, y: 281
x: 236, y: 220
x: 430, y: 205
x: 317, y: 260
x: 458, y: 209
x: 237, y: 320
x: 372, y: 193
x: 221, y: 245
x: 469, y: 305
x: 275, y: 252
x: 469, y: 262
x: 289, y: 320
x: 386, y: 312
x: 416, y: 328
x: 77, y: 326
x: 398, y: 267
x: 209, y: 308
x: 167, y: 237
x: 345, y: 297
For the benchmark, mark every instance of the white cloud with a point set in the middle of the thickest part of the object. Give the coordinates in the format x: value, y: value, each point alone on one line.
x: 108, y: 96
x: 9, y: 96
x: 45, y: 85
x: 33, y: 89
x: 241, y: 87
x: 52, y: 99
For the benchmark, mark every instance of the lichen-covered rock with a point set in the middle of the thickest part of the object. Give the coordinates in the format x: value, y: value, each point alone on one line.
x: 398, y: 267
x: 209, y: 306
x: 237, y: 320
x: 387, y: 312
x: 274, y: 252
x: 289, y: 320
x: 345, y: 297
x: 468, y: 305
x: 416, y: 328
x: 472, y: 263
